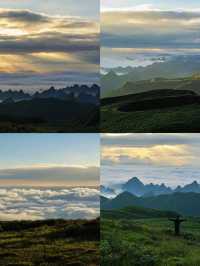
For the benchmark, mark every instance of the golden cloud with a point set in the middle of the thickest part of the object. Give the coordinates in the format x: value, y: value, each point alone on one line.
x: 41, y: 43
x: 174, y: 155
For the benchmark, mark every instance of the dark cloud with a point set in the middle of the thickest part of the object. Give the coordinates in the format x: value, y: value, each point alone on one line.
x: 25, y: 16
x: 50, y: 42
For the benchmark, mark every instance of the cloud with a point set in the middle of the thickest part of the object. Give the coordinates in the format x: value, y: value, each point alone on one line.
x: 149, y: 139
x: 170, y: 158
x: 151, y: 29
x: 47, y: 203
x: 49, y: 174
x: 23, y: 16
x: 37, y: 43
x: 176, y: 155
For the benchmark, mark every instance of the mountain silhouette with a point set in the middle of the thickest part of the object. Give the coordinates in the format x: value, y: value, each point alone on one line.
x: 136, y: 187
x: 78, y: 93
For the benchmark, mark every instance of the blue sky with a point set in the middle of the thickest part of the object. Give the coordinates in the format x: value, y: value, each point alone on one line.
x: 49, y: 158
x: 28, y: 149
x: 48, y: 176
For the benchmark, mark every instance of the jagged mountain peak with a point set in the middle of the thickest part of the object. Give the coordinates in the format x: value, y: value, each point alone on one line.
x: 134, y: 180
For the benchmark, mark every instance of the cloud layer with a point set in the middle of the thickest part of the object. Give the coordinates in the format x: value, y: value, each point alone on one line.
x: 150, y: 30
x: 51, y: 175
x: 48, y: 203
x: 38, y: 43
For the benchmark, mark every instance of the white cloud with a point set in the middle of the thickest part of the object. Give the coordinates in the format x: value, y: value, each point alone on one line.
x: 33, y: 204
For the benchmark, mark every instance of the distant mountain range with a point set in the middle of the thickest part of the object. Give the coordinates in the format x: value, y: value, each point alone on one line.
x: 138, y: 188
x: 176, y: 67
x: 78, y: 93
x: 183, y: 203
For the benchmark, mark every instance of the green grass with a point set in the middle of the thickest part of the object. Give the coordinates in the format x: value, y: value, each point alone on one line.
x: 149, y: 242
x: 58, y: 242
x: 175, y: 119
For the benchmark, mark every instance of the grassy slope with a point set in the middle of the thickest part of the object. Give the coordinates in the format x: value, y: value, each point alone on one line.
x: 49, y: 243
x: 149, y: 242
x: 169, y: 119
x: 187, y: 204
x: 135, y: 212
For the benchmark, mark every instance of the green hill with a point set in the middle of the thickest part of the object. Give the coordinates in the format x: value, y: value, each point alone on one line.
x: 184, y: 203
x: 135, y: 212
x: 189, y: 83
x: 50, y: 242
x: 161, y: 110
x: 179, y: 67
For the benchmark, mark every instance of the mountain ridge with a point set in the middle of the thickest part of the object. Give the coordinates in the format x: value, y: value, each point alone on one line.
x: 187, y: 204
x: 136, y: 187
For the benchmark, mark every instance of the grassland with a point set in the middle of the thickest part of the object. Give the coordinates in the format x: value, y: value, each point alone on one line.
x: 54, y: 242
x: 160, y: 105
x: 149, y: 242
x: 152, y: 111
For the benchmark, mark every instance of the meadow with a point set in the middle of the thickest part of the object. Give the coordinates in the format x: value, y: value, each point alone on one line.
x: 154, y: 106
x: 50, y: 242
x: 149, y: 242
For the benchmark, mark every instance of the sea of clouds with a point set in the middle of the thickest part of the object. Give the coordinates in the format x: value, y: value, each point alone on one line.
x: 49, y: 203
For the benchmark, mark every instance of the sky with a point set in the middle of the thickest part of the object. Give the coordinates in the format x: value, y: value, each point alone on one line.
x: 44, y: 176
x: 172, y: 159
x: 49, y: 160
x: 146, y: 30
x: 44, y: 43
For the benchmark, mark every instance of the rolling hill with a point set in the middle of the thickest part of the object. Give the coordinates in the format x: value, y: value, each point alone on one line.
x: 135, y: 212
x: 161, y: 110
x: 190, y: 83
x: 176, y: 67
x: 187, y: 204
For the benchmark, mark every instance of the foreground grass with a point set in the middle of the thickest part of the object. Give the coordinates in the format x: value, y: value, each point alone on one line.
x: 51, y: 243
x: 177, y: 119
x: 149, y: 242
